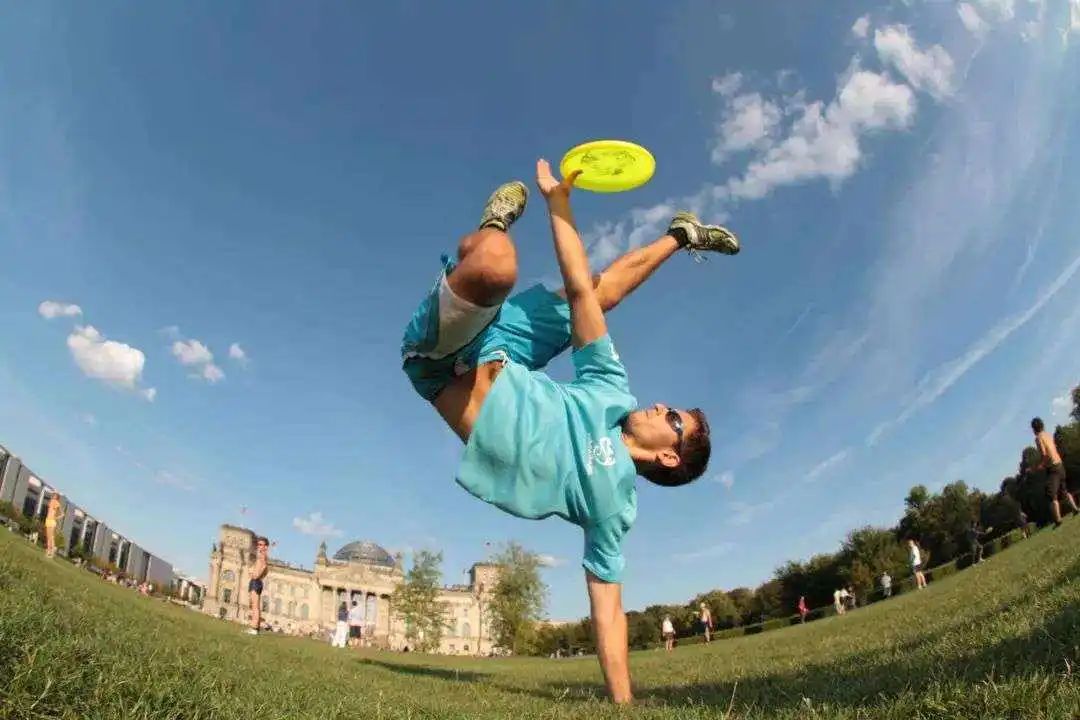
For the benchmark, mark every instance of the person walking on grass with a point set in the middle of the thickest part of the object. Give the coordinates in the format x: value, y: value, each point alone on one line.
x: 802, y: 609
x: 53, y: 515
x: 255, y: 584
x: 356, y: 623
x: 534, y: 447
x: 705, y: 618
x: 667, y: 630
x: 975, y: 534
x: 1056, y: 489
x: 916, y: 560
x: 838, y: 601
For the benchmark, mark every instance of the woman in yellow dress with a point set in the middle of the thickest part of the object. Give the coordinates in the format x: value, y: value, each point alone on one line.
x: 53, y: 515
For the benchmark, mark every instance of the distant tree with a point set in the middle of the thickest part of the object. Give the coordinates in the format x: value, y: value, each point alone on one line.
x: 768, y: 601
x: 743, y: 598
x: 517, y: 601
x: 1067, y: 439
x: 1075, y: 414
x: 917, y: 497
x: 416, y: 600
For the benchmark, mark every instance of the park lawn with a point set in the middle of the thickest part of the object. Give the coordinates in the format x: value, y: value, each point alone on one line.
x: 1000, y: 640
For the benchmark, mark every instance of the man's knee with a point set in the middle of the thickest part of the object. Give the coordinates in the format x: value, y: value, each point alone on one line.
x: 487, y: 269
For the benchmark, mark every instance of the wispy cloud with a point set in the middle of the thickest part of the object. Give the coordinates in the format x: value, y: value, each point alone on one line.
x: 709, y: 551
x: 726, y: 478
x: 938, y: 381
x: 861, y: 27
x: 1061, y: 406
x: 315, y: 524
x: 930, y: 70
x: 837, y: 458
x: 550, y: 561
x: 238, y: 354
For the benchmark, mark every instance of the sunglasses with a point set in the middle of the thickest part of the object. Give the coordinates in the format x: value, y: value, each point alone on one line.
x: 676, y: 423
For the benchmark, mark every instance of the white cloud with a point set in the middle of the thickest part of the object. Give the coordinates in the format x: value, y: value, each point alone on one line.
x: 827, y: 464
x: 726, y: 478
x: 971, y: 19
x: 191, y: 352
x: 212, y: 373
x: 930, y: 70
x: 938, y: 381
x: 50, y: 309
x: 315, y: 524
x: 861, y: 27
x: 1074, y: 16
x: 550, y: 561
x: 710, y: 551
x: 237, y: 353
x: 727, y: 85
x: 824, y: 141
x: 1061, y: 406
x: 749, y: 122
x: 114, y: 363
x: 999, y: 10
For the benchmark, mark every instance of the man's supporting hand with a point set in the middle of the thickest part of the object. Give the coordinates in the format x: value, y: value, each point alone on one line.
x: 609, y: 624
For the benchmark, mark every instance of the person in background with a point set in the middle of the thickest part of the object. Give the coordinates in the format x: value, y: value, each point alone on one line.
x: 915, y: 558
x: 705, y: 617
x: 255, y: 585
x: 667, y: 629
x: 53, y: 515
x: 838, y: 601
x: 341, y: 630
x: 802, y: 609
x: 974, y: 537
x: 886, y: 584
x: 356, y: 622
x: 1055, y: 471
x: 849, y: 598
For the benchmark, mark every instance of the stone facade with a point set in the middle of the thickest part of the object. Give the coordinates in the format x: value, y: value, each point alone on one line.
x: 302, y: 601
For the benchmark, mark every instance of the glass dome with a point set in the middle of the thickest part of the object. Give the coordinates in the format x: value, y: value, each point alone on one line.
x: 365, y: 551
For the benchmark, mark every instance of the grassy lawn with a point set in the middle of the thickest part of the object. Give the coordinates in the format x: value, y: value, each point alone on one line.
x: 1000, y: 640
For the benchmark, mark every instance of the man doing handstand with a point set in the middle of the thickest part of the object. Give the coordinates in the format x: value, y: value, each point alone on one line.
x: 534, y: 447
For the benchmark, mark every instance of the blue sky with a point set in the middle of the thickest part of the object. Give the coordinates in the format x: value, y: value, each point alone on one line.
x: 231, y: 213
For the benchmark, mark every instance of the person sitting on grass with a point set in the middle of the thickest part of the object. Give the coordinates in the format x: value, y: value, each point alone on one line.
x: 536, y: 448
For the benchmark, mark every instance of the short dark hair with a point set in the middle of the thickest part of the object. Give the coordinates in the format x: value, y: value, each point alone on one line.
x: 262, y: 539
x: 693, y: 460
x: 1037, y: 424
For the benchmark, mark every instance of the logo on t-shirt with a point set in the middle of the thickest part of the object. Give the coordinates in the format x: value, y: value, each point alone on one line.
x: 602, y: 452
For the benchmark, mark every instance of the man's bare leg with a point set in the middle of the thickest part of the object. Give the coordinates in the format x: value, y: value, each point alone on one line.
x: 623, y: 276
x: 256, y: 611
x: 485, y: 275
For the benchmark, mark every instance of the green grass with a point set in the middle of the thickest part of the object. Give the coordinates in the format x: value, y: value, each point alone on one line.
x: 997, y: 641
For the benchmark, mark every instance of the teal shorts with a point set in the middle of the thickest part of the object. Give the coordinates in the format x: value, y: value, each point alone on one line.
x: 529, y: 328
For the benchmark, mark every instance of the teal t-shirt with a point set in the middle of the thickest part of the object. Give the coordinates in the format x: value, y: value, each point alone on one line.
x: 541, y: 448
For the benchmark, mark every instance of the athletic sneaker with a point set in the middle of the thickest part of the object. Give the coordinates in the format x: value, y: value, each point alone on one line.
x: 252, y: 631
x: 505, y: 206
x: 697, y: 237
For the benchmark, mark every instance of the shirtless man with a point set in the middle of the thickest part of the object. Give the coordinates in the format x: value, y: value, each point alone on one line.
x: 255, y: 585
x: 1055, y: 470
x: 534, y: 447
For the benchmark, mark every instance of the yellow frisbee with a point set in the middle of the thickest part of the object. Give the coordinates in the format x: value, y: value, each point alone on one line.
x: 609, y: 165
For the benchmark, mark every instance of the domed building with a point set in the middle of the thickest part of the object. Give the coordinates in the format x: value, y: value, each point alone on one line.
x: 304, y: 601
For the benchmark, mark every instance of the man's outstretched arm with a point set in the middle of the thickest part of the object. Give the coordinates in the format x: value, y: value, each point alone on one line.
x: 609, y: 625
x: 586, y: 316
